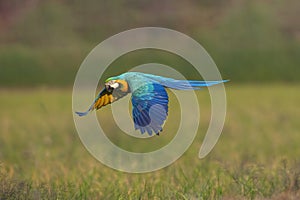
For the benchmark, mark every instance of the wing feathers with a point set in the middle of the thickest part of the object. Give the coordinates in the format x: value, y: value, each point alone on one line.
x: 150, y: 108
x: 105, y: 97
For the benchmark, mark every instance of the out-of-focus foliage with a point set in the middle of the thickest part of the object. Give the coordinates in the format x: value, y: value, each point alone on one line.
x: 44, y: 42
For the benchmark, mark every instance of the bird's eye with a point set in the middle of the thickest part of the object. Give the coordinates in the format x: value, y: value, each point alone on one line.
x: 114, y: 85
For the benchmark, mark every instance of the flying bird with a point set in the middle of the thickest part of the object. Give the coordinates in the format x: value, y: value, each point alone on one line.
x: 148, y: 96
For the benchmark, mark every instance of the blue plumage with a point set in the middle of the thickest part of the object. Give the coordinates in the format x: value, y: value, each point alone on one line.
x: 149, y: 97
x: 150, y: 107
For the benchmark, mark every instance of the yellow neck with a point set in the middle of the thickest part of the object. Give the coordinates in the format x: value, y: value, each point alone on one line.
x: 124, y: 85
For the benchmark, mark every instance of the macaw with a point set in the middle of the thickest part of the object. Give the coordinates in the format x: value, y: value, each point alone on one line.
x: 149, y: 97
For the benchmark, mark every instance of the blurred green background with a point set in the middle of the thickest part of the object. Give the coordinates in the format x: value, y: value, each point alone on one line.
x: 44, y: 42
x: 255, y: 44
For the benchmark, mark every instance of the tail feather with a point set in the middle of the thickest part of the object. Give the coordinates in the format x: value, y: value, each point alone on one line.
x: 188, y: 84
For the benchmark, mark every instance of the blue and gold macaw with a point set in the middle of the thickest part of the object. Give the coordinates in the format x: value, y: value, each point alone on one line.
x: 149, y: 97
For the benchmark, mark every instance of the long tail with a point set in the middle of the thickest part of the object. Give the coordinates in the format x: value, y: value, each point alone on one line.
x: 189, y: 85
x: 182, y: 84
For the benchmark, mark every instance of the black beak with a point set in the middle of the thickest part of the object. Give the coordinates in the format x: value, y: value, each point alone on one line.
x: 109, y: 88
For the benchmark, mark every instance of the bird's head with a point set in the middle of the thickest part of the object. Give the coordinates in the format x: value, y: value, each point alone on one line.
x: 115, y: 83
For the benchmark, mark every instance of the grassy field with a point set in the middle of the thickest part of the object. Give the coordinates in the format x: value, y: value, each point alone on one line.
x: 257, y: 156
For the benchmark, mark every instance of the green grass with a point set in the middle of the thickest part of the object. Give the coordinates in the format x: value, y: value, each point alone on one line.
x: 257, y: 156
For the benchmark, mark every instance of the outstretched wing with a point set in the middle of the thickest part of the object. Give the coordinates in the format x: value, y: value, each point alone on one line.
x: 149, y: 107
x: 104, y: 97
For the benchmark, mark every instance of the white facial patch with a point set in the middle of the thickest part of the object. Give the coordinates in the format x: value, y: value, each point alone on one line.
x: 114, y: 85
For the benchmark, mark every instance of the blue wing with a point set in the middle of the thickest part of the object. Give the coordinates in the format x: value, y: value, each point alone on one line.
x: 92, y: 106
x: 104, y: 97
x: 149, y: 108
